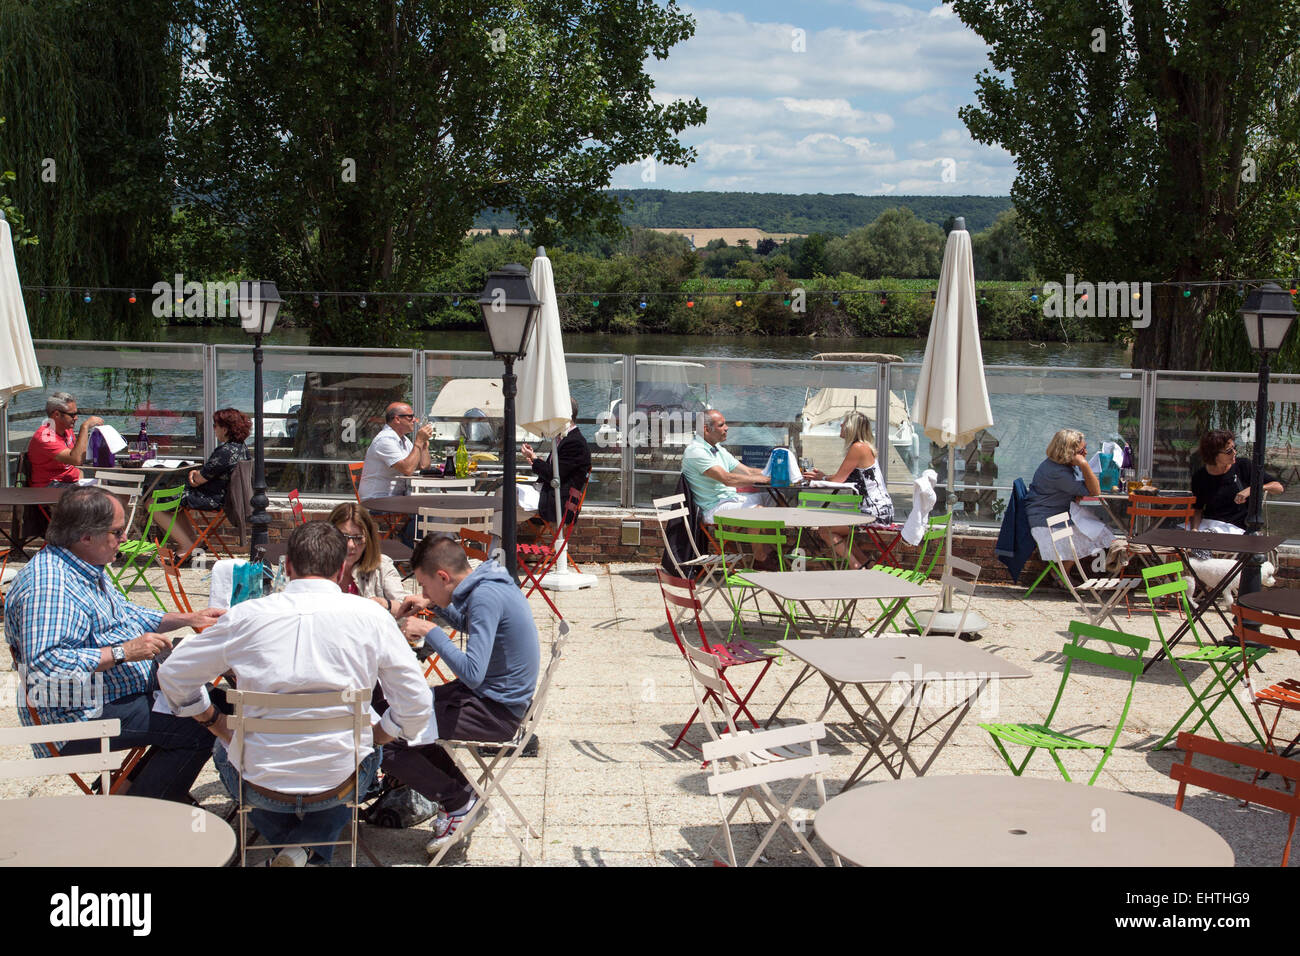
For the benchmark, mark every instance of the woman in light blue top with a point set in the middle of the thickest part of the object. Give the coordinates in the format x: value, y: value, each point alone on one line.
x: 1061, y: 480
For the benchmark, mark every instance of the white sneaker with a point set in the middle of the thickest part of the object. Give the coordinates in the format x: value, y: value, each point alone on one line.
x: 445, y: 826
x: 290, y: 856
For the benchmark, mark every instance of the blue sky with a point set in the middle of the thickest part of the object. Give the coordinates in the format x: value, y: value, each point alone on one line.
x: 863, y: 100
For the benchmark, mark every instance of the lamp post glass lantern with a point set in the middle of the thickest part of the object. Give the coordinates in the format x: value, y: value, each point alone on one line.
x: 259, y: 304
x: 510, y: 306
x: 1267, y: 314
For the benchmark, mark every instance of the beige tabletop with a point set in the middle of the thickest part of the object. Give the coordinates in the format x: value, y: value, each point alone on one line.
x: 801, y: 517
x: 975, y: 820
x: 888, y: 660
x: 842, y: 585
x: 111, y: 831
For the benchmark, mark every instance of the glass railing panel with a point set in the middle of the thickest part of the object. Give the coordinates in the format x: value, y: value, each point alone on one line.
x: 1189, y: 404
x: 1029, y: 405
x: 126, y: 384
x: 321, y: 407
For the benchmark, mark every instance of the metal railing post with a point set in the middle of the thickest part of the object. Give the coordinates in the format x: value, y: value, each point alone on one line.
x: 419, y: 400
x: 627, y: 467
x: 209, y: 432
x: 882, y: 415
x: 1147, y: 423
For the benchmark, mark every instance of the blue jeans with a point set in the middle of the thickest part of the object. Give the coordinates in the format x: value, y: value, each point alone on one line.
x: 282, y: 821
x: 178, y: 747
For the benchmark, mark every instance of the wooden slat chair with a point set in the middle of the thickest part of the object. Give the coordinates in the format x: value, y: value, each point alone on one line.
x: 932, y: 545
x: 703, y: 568
x: 831, y: 501
x: 357, y: 718
x: 140, y: 551
x: 1225, y: 661
x: 490, y: 778
x: 1284, y: 802
x: 1041, y: 736
x: 1284, y: 696
x: 103, y: 762
x: 682, y: 607
x: 1099, y: 609
x: 125, y: 485
x: 740, y: 532
x: 118, y: 772
x: 741, y: 760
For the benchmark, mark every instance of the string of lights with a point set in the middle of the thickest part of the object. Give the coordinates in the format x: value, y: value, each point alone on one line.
x: 1034, y: 292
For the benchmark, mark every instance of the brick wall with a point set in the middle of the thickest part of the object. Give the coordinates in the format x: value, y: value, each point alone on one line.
x: 598, y: 539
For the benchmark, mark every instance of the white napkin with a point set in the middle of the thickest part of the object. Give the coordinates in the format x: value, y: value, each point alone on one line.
x: 223, y: 582
x: 923, y: 499
x: 529, y: 497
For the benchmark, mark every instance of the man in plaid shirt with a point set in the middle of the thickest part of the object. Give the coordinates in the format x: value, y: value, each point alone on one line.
x: 86, y: 653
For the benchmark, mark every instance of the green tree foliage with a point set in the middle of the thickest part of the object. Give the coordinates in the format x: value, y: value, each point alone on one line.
x: 17, y: 228
x: 897, y: 244
x: 1000, y: 252
x: 1153, y: 140
x: 782, y: 213
x: 87, y: 87
x: 352, y: 143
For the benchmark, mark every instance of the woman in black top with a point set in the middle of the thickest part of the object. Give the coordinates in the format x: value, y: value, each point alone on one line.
x: 206, y: 485
x: 1222, y: 489
x: 1222, y: 484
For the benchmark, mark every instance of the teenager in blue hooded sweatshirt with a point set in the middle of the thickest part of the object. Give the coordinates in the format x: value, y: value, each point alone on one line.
x: 497, y: 672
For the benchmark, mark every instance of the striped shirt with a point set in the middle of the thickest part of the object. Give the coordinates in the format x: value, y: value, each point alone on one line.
x: 59, y: 613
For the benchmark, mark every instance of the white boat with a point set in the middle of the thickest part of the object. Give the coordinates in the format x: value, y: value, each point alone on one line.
x: 667, y: 405
x: 825, y: 408
x: 283, y: 402
x: 474, y: 407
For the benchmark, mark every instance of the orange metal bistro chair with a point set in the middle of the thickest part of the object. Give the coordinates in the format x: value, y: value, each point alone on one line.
x: 1185, y: 773
x: 295, y: 503
x: 354, y: 472
x: 117, y: 778
x: 536, y: 560
x: 682, y: 608
x: 1285, y: 694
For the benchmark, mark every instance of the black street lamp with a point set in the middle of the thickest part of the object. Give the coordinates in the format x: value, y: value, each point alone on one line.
x: 510, y: 308
x: 1268, y: 314
x: 259, y: 302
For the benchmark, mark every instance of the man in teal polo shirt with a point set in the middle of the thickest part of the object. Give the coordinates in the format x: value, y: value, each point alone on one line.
x: 715, y: 477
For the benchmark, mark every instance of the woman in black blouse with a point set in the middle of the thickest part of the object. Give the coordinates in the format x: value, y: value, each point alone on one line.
x: 206, y: 485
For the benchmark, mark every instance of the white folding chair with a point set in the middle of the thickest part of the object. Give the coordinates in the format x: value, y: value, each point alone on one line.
x: 704, y: 568
x: 356, y: 719
x: 1115, y: 589
x: 451, y: 520
x: 103, y: 762
x: 123, y: 485
x: 490, y: 777
x: 748, y: 762
x: 439, y: 486
x: 961, y: 576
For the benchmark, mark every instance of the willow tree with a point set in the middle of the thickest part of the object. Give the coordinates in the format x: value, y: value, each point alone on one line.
x: 352, y: 144
x: 1153, y: 141
x: 86, y: 87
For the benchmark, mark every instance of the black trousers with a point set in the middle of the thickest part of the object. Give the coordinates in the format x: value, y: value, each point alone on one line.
x: 461, y: 715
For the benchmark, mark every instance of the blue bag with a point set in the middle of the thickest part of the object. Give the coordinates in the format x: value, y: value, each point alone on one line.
x: 246, y: 582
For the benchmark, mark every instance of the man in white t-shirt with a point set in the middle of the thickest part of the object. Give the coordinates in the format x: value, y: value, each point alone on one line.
x: 392, y: 457
x: 715, y: 478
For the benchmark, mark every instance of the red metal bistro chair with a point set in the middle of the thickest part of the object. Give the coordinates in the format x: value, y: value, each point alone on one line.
x: 295, y: 503
x: 682, y: 608
x: 536, y: 560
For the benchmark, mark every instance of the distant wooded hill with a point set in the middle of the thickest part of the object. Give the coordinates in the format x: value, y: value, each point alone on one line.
x: 781, y: 213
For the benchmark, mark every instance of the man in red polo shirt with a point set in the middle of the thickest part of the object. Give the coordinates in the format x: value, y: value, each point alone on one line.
x: 56, y: 449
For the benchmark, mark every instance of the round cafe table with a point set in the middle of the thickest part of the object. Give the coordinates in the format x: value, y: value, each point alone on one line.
x: 1273, y: 601
x: 803, y: 517
x: 973, y: 820
x: 111, y: 831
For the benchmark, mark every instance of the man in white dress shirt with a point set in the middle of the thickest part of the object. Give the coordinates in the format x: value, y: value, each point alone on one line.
x: 309, y: 638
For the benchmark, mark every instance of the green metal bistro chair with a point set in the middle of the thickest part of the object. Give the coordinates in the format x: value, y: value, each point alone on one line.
x: 140, y: 552
x: 1041, y: 736
x: 833, y: 501
x: 1228, y: 662
x: 744, y: 531
x: 931, y: 547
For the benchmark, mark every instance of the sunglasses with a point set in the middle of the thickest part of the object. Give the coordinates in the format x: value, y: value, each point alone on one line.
x: 356, y: 538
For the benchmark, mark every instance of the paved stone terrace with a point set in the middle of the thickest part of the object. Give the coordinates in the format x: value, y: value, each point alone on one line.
x: 606, y: 789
